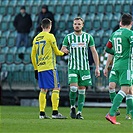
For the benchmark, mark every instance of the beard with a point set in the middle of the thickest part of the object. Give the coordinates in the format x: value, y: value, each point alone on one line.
x: 77, y: 30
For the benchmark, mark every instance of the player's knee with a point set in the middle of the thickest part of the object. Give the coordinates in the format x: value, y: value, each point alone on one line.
x: 73, y: 88
x: 43, y: 90
x: 81, y: 92
x: 112, y: 86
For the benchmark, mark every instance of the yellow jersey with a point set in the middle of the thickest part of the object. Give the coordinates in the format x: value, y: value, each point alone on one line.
x: 44, y: 51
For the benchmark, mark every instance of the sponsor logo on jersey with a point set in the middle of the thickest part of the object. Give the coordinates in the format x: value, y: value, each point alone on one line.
x: 41, y: 63
x: 81, y: 44
x: 43, y: 58
x: 86, y: 77
x: 118, y: 33
x: 39, y: 38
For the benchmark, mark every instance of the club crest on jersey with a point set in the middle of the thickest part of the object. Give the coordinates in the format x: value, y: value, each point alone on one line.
x: 53, y: 43
x: 85, y: 40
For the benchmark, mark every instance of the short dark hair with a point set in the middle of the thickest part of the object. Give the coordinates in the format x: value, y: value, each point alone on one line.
x: 46, y: 23
x: 79, y: 18
x: 126, y: 19
x: 45, y: 6
x: 22, y: 8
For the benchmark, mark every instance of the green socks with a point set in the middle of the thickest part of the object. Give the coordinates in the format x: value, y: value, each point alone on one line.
x: 81, y: 99
x: 129, y: 102
x: 112, y: 94
x: 72, y: 95
x: 116, y: 102
x: 127, y: 108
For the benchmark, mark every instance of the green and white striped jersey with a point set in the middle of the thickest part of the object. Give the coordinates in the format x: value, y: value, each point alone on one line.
x: 78, y: 50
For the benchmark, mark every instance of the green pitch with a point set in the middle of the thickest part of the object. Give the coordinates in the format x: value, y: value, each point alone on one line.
x: 16, y: 119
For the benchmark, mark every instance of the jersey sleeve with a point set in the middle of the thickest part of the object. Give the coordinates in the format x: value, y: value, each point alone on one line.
x: 131, y: 41
x: 65, y: 42
x: 91, y: 41
x: 54, y: 46
x: 109, y: 48
x: 33, y: 56
x: 110, y: 51
x: 131, y: 38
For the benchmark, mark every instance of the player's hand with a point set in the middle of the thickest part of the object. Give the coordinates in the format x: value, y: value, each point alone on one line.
x: 105, y: 72
x: 36, y: 74
x: 97, y: 72
x: 65, y: 50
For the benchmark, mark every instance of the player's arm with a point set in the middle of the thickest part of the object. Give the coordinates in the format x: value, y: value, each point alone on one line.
x: 95, y: 56
x: 96, y: 60
x: 108, y: 48
x: 65, y: 45
x: 33, y: 57
x: 109, y: 60
x: 54, y: 46
x: 33, y: 60
x: 64, y: 49
x: 56, y: 50
x: 131, y: 42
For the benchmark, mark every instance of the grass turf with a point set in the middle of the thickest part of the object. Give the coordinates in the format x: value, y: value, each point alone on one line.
x: 17, y: 119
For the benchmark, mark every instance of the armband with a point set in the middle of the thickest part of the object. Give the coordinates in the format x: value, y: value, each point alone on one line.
x: 110, y: 51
